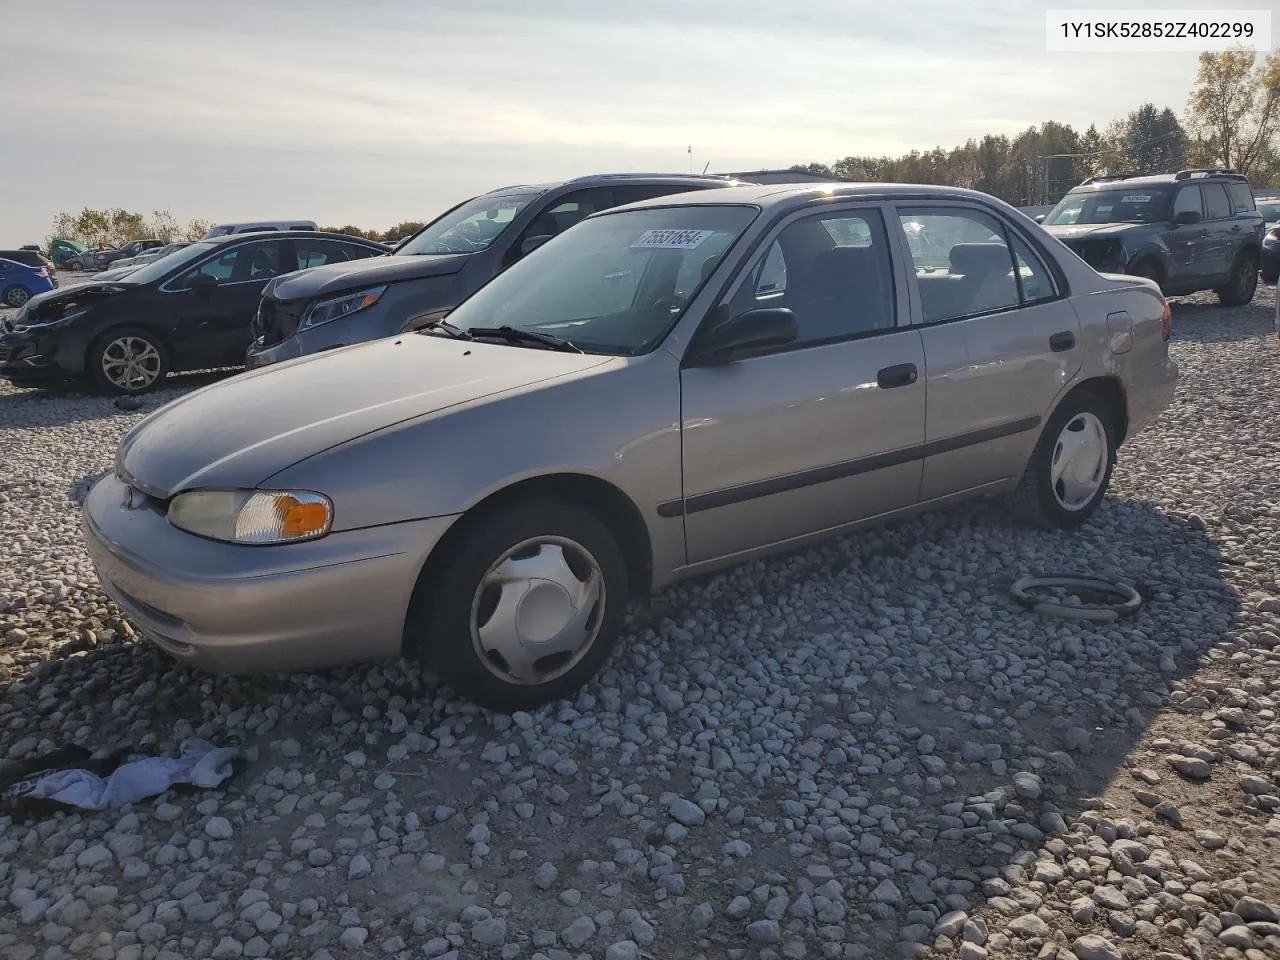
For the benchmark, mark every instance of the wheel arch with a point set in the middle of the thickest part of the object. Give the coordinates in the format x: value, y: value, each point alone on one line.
x: 1110, y: 391
x: 604, y: 500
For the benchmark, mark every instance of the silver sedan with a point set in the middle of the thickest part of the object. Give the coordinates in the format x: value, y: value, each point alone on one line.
x: 662, y: 390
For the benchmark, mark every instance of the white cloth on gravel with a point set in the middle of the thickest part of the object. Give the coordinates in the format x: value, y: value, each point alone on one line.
x: 200, y: 764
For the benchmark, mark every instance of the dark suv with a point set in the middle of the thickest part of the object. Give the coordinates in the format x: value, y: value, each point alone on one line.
x: 440, y: 266
x: 1188, y: 231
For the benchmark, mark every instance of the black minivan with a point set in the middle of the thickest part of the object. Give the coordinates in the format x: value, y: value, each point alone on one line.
x: 189, y: 310
x: 441, y: 265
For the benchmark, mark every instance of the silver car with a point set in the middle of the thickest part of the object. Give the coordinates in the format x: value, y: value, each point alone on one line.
x: 662, y: 390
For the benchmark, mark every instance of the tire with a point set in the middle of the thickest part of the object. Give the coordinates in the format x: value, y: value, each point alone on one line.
x: 151, y: 361
x: 1240, y: 289
x: 1270, y: 274
x: 1048, y: 503
x: 1148, y: 270
x: 453, y: 609
x: 16, y: 296
x: 75, y: 266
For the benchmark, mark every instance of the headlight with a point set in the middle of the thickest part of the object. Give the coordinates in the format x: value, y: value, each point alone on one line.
x: 252, y: 516
x: 342, y: 306
x: 23, y: 320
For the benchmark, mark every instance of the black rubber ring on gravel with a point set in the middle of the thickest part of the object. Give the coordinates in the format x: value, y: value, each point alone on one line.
x: 1097, y: 612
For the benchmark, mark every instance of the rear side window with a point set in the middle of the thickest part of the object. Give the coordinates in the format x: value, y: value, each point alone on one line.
x: 1241, y: 198
x: 1216, y: 204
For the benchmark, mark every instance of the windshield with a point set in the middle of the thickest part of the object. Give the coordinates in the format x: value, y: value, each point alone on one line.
x: 470, y: 227
x: 161, y: 266
x: 614, y: 284
x: 1121, y: 205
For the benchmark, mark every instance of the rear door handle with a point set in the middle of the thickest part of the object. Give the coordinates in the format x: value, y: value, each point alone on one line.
x: 1066, y: 340
x: 899, y: 375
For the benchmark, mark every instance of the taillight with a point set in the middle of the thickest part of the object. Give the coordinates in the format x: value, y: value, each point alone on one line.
x: 1274, y: 233
x: 43, y: 273
x: 1166, y: 322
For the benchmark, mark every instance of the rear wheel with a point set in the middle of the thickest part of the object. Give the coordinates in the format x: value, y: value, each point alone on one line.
x: 525, y: 609
x: 16, y: 296
x: 128, y: 360
x: 1149, y: 270
x: 1240, y: 288
x: 75, y: 266
x: 1069, y: 471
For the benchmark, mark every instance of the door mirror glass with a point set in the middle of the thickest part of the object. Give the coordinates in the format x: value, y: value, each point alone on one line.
x: 757, y: 329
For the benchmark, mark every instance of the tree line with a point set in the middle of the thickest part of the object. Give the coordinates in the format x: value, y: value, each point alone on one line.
x: 1232, y: 119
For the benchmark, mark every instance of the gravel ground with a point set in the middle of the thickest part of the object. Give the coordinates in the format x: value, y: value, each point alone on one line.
x: 864, y: 750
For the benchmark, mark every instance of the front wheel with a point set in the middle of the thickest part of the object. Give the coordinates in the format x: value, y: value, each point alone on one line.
x: 526, y: 609
x: 128, y: 360
x: 16, y: 296
x: 1240, y: 288
x: 1069, y: 471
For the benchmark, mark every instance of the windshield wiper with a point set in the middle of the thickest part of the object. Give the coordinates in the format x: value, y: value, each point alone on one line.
x: 457, y: 333
x: 528, y: 336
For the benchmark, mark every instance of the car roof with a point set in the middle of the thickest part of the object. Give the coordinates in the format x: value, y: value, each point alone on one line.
x: 288, y: 235
x: 603, y: 179
x: 797, y: 195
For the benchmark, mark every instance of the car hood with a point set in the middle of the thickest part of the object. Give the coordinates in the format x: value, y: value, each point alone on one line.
x: 1092, y: 230
x: 239, y: 432
x: 337, y: 277
x: 50, y: 306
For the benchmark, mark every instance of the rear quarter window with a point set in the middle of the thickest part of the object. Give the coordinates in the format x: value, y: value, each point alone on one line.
x: 1241, y: 198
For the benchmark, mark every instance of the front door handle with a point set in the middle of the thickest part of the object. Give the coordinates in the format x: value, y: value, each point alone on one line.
x: 899, y: 375
x: 1066, y: 340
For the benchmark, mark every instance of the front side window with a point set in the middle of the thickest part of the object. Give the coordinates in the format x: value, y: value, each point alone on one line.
x: 245, y: 263
x: 616, y: 284
x: 1113, y: 205
x: 833, y: 271
x: 968, y: 268
x: 469, y: 227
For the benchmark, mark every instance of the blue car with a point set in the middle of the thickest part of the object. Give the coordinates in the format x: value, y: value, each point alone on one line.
x: 19, y: 282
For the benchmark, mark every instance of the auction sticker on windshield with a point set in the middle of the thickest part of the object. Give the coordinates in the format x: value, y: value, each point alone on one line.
x: 671, y: 239
x: 1136, y: 198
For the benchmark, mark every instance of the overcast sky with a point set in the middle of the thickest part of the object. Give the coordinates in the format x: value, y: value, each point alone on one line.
x: 377, y: 111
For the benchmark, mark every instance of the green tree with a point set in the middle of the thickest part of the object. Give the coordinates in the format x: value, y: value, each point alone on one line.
x: 116, y: 226
x: 402, y: 230
x: 1234, y: 109
x: 1149, y: 140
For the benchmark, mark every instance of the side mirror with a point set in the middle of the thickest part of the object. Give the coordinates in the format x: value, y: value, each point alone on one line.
x: 530, y: 244
x: 1188, y: 216
x: 1038, y: 218
x: 756, y: 329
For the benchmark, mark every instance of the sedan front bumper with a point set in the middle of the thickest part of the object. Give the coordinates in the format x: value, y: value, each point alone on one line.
x: 231, y: 608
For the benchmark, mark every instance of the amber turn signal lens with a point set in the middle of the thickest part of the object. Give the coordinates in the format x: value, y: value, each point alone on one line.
x: 299, y: 519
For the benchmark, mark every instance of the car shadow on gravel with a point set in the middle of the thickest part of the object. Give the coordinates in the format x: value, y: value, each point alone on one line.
x: 1207, y: 321
x: 58, y: 405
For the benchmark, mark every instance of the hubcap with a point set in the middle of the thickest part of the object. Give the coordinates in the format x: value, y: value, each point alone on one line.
x: 537, y: 610
x: 17, y: 297
x: 1079, y: 461
x: 131, y: 363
